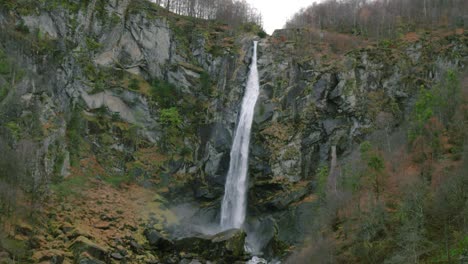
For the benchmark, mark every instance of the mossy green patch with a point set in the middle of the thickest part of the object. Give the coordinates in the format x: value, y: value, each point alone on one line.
x: 71, y: 186
x: 117, y: 180
x: 157, y: 208
x: 5, y: 65
x: 18, y: 249
x: 3, y: 92
x: 14, y: 128
x: 75, y: 128
x: 92, y: 44
x: 164, y: 93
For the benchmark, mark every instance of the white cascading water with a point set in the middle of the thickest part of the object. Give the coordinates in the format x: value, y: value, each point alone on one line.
x: 234, y: 202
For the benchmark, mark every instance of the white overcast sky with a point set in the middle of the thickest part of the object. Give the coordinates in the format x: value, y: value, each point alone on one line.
x: 276, y: 12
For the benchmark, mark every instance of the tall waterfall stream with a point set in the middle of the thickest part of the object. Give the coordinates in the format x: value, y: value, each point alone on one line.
x: 234, y: 204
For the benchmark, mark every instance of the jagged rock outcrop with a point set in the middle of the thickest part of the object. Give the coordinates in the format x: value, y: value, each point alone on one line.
x: 309, y: 105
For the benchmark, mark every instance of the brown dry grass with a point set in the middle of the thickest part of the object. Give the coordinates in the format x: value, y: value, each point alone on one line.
x: 411, y: 37
x: 105, y: 213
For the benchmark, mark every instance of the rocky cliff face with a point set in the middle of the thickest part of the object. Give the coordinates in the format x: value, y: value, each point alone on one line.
x: 126, y: 61
x: 151, y: 97
x: 313, y: 108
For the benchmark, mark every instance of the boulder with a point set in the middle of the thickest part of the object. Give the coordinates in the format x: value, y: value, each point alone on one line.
x: 464, y: 258
x: 204, y: 192
x: 4, y: 257
x: 137, y: 248
x: 77, y: 232
x: 117, y: 256
x: 66, y: 228
x: 84, y: 259
x: 155, y: 239
x: 24, y: 229
x: 227, y: 245
x: 281, y: 202
x: 52, y: 256
x: 264, y: 112
x: 294, y: 224
x: 260, y: 232
x: 83, y: 246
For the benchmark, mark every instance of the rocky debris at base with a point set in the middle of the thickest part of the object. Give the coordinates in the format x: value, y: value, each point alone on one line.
x: 86, y: 251
x: 51, y: 256
x: 227, y: 245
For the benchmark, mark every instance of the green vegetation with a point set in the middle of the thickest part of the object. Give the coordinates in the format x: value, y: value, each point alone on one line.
x: 423, y: 111
x: 21, y: 27
x: 253, y: 28
x: 74, y: 136
x: 58, y: 164
x: 447, y: 95
x: 134, y: 84
x: 164, y: 93
x: 5, y: 72
x: 262, y: 34
x: 382, y: 212
x: 433, y: 115
x: 92, y: 44
x: 14, y: 128
x: 118, y: 180
x: 28, y: 7
x: 322, y: 177
x: 18, y: 249
x: 171, y: 121
x: 170, y: 117
x: 3, y: 92
x: 71, y: 186
x: 5, y: 66
x: 115, y: 19
x: 374, y: 173
x: 206, y: 84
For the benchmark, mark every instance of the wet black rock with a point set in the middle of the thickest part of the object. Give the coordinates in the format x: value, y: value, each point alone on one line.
x: 227, y: 245
x: 135, y: 247
x: 155, y: 239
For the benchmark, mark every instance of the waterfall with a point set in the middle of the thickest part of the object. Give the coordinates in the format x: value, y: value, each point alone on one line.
x: 234, y: 201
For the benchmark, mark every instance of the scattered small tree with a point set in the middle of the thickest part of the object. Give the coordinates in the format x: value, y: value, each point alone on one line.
x: 171, y: 121
x: 375, y: 167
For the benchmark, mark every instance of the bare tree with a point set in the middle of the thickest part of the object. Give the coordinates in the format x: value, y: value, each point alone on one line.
x: 233, y: 12
x: 381, y: 18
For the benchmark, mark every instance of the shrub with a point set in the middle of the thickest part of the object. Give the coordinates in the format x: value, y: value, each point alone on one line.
x: 92, y: 44
x: 5, y: 66
x: 75, y: 140
x: 164, y: 93
x: 262, y: 33
x: 3, y: 92
x: 423, y: 111
x: 21, y: 27
x: 170, y: 117
x: 205, y: 83
x: 322, y: 176
x: 375, y: 167
x: 134, y: 84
